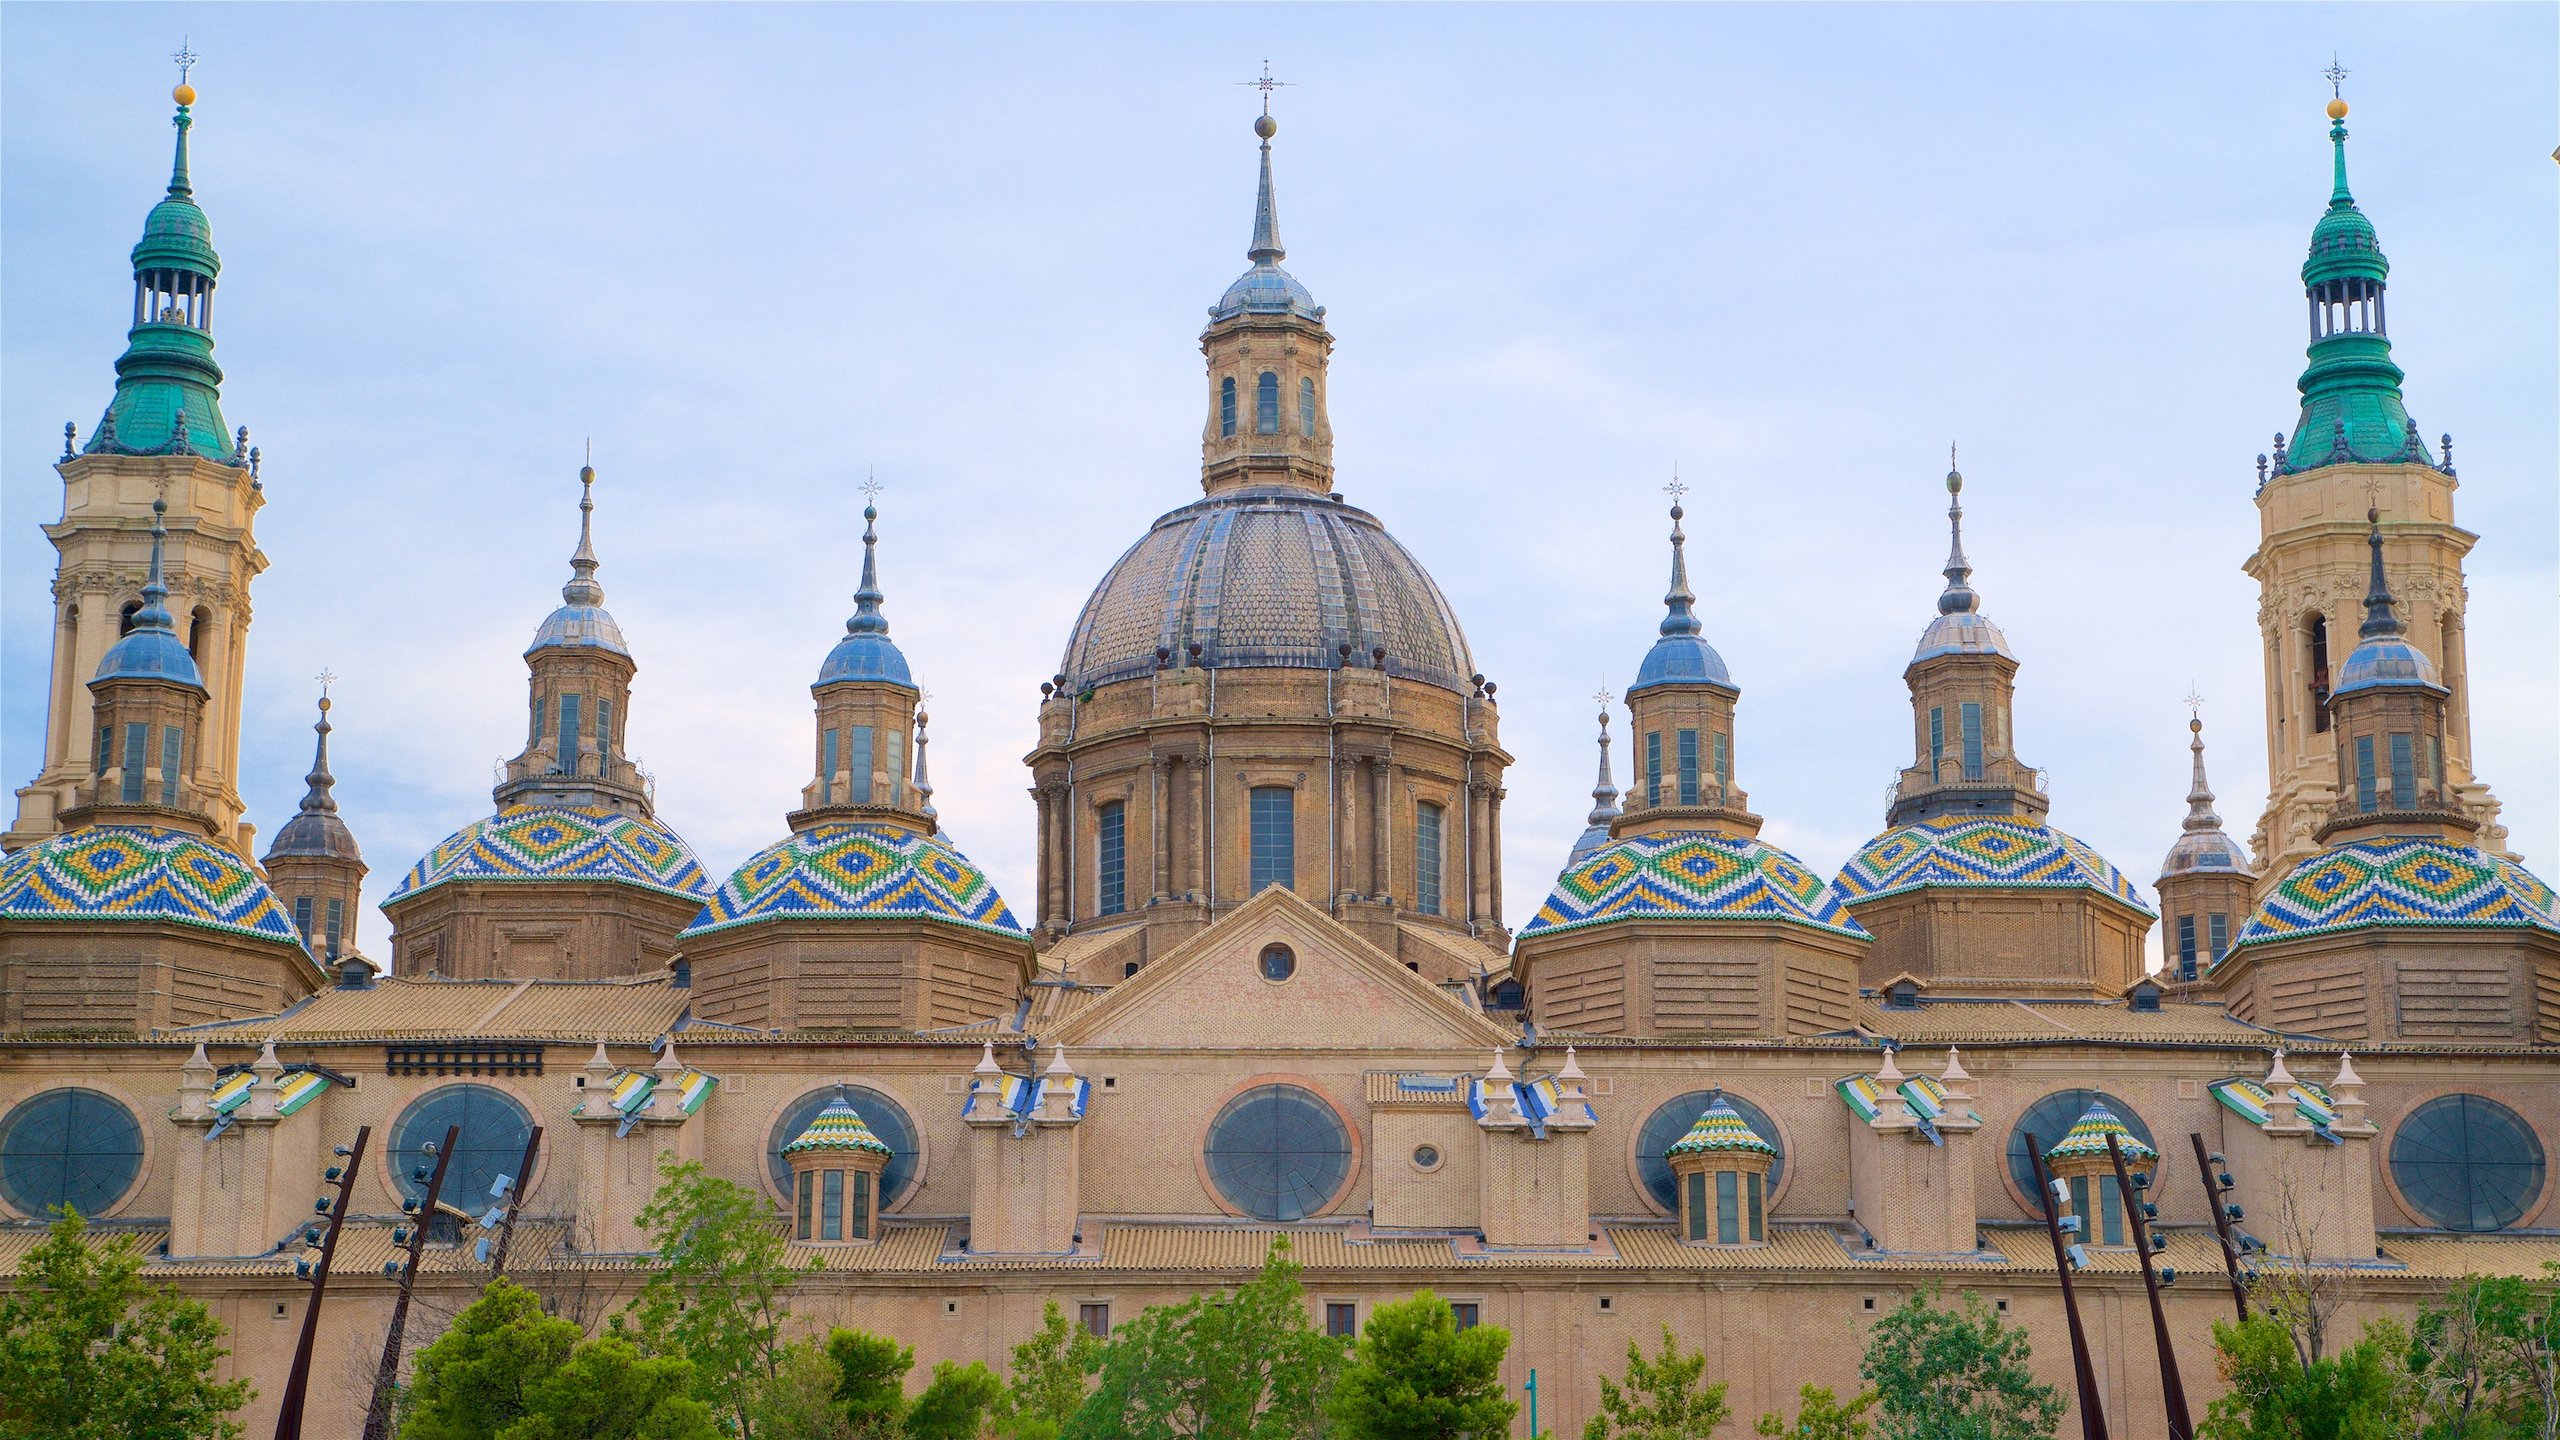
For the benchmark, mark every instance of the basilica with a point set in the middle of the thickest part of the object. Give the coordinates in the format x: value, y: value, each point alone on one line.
x: 1263, y: 985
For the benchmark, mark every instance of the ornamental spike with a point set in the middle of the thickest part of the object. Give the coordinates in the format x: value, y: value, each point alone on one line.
x: 582, y: 588
x: 2200, y: 813
x: 1679, y: 603
x: 867, y: 619
x: 1266, y: 248
x: 1958, y: 598
x: 2381, y: 621
x: 320, y: 798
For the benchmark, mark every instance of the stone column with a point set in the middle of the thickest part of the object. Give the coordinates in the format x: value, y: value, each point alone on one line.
x: 1159, y: 813
x: 1040, y: 810
x: 1055, y: 841
x: 1381, y: 879
x: 1346, y: 830
x: 1200, y: 800
x: 1493, y: 845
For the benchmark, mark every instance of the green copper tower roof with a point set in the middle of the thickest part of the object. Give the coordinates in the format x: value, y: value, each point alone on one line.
x: 168, y: 398
x: 2351, y: 407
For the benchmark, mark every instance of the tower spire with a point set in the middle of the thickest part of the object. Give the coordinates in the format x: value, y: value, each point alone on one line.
x: 1679, y: 602
x: 1604, y: 790
x: 1266, y: 248
x: 321, y: 797
x: 2381, y: 621
x: 1959, y: 597
x: 154, y: 614
x: 924, y: 782
x: 2200, y: 814
x: 867, y: 619
x: 582, y: 588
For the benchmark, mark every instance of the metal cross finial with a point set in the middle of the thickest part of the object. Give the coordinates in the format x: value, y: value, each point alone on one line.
x: 1677, y: 488
x: 2194, y: 702
x: 1603, y: 697
x: 327, y: 677
x: 1951, y: 455
x: 1266, y: 85
x: 2336, y: 75
x: 871, y: 486
x: 185, y: 60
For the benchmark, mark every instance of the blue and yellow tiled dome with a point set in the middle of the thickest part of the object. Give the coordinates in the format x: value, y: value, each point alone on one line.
x: 1721, y: 1130
x: 838, y: 1127
x: 2089, y: 1137
x: 1690, y: 874
x: 847, y: 870
x: 1980, y: 852
x: 131, y: 874
x: 2400, y: 884
x: 536, y: 843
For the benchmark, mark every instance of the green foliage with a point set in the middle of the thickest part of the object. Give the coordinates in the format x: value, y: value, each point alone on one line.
x: 955, y: 1403
x: 1047, y: 1382
x: 871, y: 1376
x: 1416, y: 1376
x: 1244, y: 1366
x: 1955, y: 1375
x: 2363, y: 1393
x: 1820, y: 1415
x: 608, y: 1390
x: 1659, y: 1399
x: 88, y: 1351
x: 478, y: 1377
x: 716, y: 1298
x: 799, y: 1401
x: 2486, y: 1359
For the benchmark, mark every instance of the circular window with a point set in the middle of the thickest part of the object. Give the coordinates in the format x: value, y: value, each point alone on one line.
x: 1671, y: 1119
x: 1277, y: 1152
x: 72, y: 1147
x: 1426, y: 1157
x: 494, y: 1128
x: 2466, y: 1162
x: 1278, y: 962
x: 886, y: 1118
x: 2051, y: 1118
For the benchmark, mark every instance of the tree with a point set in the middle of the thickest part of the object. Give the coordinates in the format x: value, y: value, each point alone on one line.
x: 1414, y: 1375
x: 89, y: 1351
x: 1659, y: 1399
x: 1820, y: 1416
x: 1949, y: 1375
x: 1048, y: 1379
x: 2487, y: 1359
x: 871, y: 1377
x: 1240, y: 1366
x: 955, y: 1402
x: 2363, y: 1393
x: 479, y: 1376
x: 609, y: 1390
x: 799, y: 1401
x: 716, y: 1298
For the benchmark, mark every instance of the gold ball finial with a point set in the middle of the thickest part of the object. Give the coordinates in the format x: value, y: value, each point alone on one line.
x: 2195, y: 725
x: 185, y: 94
x: 1265, y: 126
x: 586, y: 474
x: 2338, y: 109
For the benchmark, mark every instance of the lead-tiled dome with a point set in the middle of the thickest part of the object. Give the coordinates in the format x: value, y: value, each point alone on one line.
x: 1265, y: 578
x: 533, y: 843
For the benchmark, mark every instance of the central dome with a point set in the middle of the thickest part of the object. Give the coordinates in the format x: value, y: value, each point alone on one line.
x: 1267, y: 578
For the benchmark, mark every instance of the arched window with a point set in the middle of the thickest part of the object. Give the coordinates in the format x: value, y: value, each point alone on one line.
x: 2319, y: 638
x: 1307, y: 406
x: 1671, y: 1120
x: 198, y: 623
x: 124, y: 617
x: 887, y: 1120
x: 2051, y: 1118
x: 1266, y: 404
x: 1278, y: 1152
x: 1227, y: 406
x: 72, y: 1147
x: 1273, y: 823
x: 1111, y: 859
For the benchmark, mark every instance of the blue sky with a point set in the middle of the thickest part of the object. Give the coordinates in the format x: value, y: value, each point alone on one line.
x: 753, y: 252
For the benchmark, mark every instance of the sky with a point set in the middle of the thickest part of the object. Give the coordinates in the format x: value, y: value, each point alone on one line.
x: 753, y: 254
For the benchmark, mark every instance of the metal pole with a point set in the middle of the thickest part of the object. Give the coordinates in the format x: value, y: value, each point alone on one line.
x: 515, y: 1197
x: 2214, y: 1195
x: 2173, y: 1391
x: 2093, y: 1420
x: 297, y: 1385
x: 377, y: 1415
x: 1533, y: 1405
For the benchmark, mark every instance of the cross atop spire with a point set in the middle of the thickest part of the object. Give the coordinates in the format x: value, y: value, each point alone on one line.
x: 185, y: 59
x: 2200, y: 815
x: 1266, y: 85
x: 1679, y: 602
x: 867, y: 619
x: 2336, y: 75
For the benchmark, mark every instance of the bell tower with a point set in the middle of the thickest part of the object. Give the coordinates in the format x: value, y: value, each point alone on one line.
x: 162, y: 436
x: 2354, y: 448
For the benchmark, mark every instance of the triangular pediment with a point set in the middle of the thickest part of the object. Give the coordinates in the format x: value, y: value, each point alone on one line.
x: 1210, y: 991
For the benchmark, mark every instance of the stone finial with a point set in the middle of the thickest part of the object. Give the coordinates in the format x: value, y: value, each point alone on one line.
x: 2278, y: 1075
x: 668, y: 1064
x: 2347, y: 1090
x: 1955, y: 1074
x: 1893, y: 1108
x: 987, y: 1065
x: 2347, y: 1076
x: 1501, y: 1100
x: 262, y: 1094
x: 1058, y: 1061
x: 2447, y: 442
x: 71, y: 432
x: 666, y: 1101
x: 1058, y: 1087
x: 1890, y: 1073
x: 2284, y: 1107
x: 195, y: 1087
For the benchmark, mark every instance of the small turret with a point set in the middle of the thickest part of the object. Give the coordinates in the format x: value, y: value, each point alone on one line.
x: 1962, y: 677
x: 580, y: 697
x: 1267, y: 346
x: 2204, y: 881
x: 314, y: 864
x: 2388, y: 716
x: 867, y: 715
x: 1680, y: 719
x: 148, y: 704
x: 1604, y: 800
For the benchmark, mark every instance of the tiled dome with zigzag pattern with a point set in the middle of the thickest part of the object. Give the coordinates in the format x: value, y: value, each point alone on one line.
x: 2401, y: 883
x: 1691, y: 874
x: 532, y: 843
x: 2089, y: 1137
x: 112, y: 873
x: 1721, y: 1130
x: 842, y: 870
x: 838, y: 1127
x: 1981, y: 852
